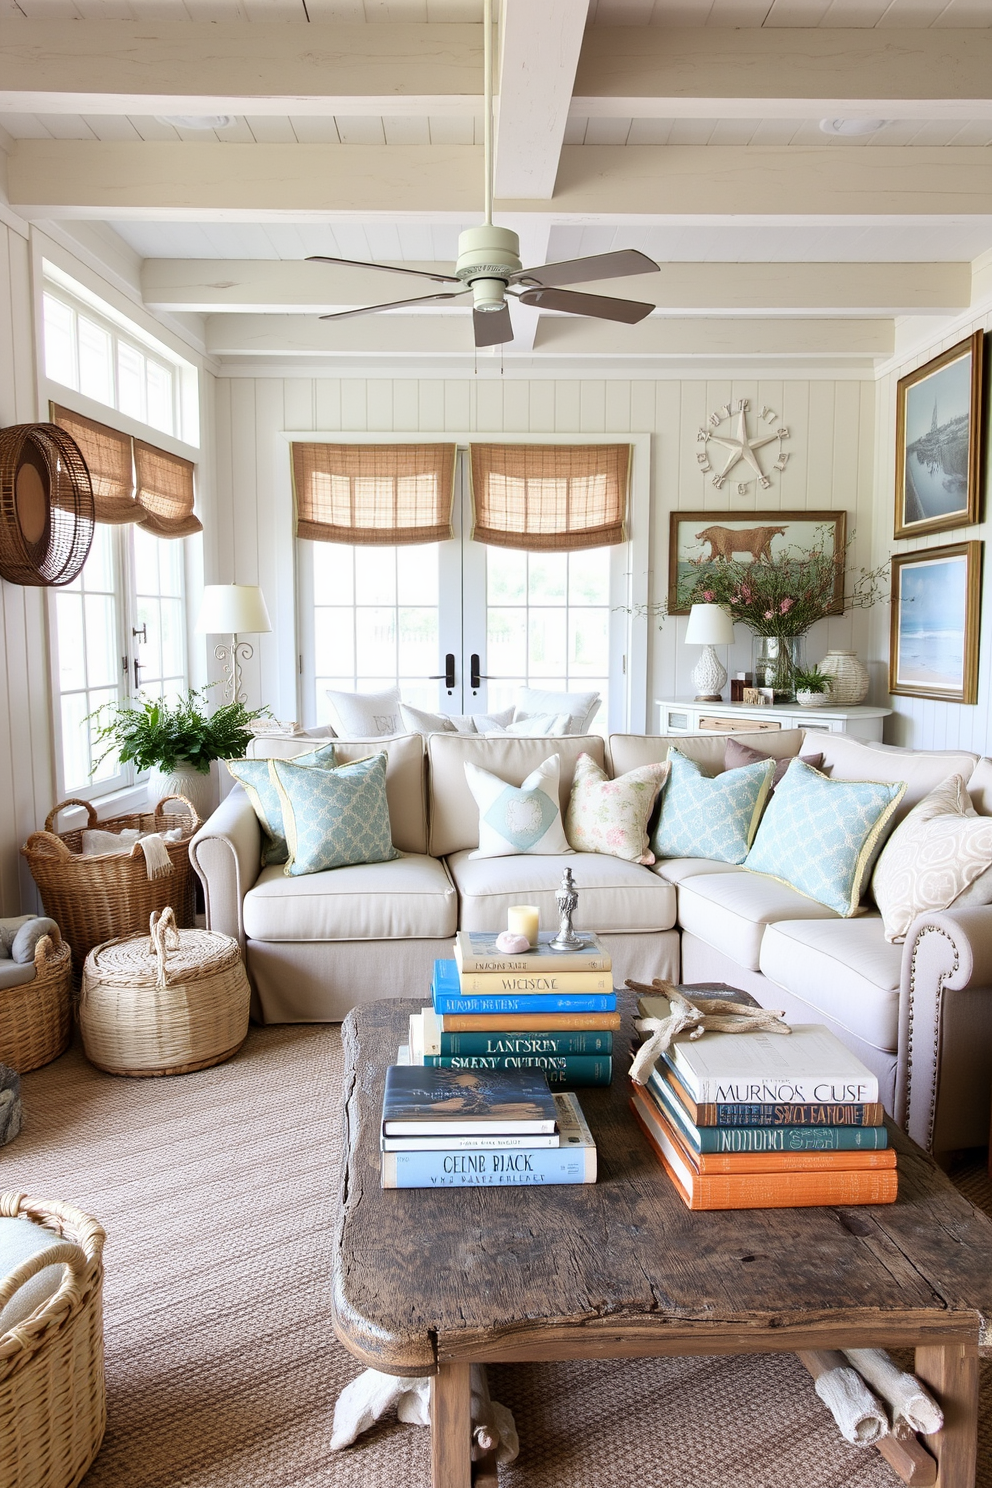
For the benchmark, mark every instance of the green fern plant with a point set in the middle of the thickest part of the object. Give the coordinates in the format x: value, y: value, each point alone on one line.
x: 161, y: 733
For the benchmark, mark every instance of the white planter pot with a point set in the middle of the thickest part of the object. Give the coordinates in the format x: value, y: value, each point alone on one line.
x: 812, y: 699
x: 850, y: 677
x: 199, y: 790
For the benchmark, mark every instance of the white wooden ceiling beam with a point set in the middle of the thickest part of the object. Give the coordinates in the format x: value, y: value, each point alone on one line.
x: 539, y: 52
x: 784, y: 72
x: 211, y: 286
x: 426, y: 336
x: 116, y: 180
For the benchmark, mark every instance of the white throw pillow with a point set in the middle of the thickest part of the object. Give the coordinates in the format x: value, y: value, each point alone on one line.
x: 518, y: 818
x: 539, y: 726
x: 486, y: 723
x: 934, y: 859
x: 365, y: 715
x: 419, y: 721
x: 581, y: 707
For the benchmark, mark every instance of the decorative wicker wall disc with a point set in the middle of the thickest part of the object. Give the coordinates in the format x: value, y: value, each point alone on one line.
x: 46, y: 505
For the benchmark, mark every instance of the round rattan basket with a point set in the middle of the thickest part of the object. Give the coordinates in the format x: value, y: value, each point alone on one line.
x: 36, y: 1018
x: 46, y: 505
x: 52, y: 1392
x: 166, y: 1003
x: 96, y: 898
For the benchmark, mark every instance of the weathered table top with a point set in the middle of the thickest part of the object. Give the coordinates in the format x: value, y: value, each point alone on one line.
x: 621, y: 1268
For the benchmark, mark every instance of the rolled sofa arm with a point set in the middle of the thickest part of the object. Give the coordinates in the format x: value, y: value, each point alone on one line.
x: 945, y: 1029
x: 226, y: 853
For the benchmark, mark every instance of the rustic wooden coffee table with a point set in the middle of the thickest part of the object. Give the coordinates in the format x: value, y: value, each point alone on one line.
x: 428, y: 1282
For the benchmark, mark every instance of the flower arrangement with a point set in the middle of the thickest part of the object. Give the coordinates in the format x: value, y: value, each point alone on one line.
x: 788, y: 595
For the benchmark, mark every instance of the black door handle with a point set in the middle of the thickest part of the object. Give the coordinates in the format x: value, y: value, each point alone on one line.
x: 448, y: 674
x: 475, y: 677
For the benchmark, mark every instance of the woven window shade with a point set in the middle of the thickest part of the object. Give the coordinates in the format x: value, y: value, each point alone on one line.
x: 107, y: 453
x: 374, y: 493
x: 550, y: 497
x: 164, y: 489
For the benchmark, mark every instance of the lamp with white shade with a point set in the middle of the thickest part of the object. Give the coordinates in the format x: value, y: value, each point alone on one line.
x: 233, y: 609
x: 709, y: 626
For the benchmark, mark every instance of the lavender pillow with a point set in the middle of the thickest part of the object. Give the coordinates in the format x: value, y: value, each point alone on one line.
x: 737, y: 754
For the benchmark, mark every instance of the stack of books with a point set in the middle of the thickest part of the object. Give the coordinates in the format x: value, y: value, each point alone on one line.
x: 766, y: 1121
x: 445, y: 1128
x: 553, y: 1011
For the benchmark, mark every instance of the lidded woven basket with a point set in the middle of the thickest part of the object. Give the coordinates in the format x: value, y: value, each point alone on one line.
x: 166, y: 1003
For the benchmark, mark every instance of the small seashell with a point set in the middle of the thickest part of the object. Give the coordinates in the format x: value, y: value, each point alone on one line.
x: 512, y: 944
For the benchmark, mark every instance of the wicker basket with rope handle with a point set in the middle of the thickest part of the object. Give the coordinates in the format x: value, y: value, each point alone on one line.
x: 36, y: 1017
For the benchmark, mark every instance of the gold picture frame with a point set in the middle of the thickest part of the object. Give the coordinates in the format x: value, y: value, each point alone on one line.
x: 934, y: 626
x: 770, y: 535
x: 939, y: 440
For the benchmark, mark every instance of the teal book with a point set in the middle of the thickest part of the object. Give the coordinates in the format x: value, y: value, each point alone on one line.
x: 558, y: 1069
x: 491, y: 1044
x: 447, y: 997
x: 730, y: 1139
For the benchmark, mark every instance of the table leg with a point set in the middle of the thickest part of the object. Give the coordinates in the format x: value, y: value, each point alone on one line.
x: 451, y: 1427
x: 952, y: 1374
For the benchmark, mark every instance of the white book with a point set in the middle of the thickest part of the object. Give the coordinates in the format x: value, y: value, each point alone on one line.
x: 471, y: 1163
x: 809, y: 1066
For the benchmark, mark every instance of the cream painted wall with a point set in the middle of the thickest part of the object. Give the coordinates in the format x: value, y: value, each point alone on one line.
x: 831, y: 425
x: 918, y: 722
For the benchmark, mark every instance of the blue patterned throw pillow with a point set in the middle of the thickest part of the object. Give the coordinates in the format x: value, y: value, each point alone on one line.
x: 334, y: 818
x: 261, y: 791
x: 522, y: 818
x: 710, y: 818
x: 822, y: 836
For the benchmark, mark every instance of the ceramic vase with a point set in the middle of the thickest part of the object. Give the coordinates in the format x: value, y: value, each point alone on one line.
x: 850, y: 677
x: 775, y: 661
x: 199, y: 790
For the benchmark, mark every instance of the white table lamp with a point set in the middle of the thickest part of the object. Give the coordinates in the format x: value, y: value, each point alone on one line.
x: 709, y: 626
x: 233, y: 609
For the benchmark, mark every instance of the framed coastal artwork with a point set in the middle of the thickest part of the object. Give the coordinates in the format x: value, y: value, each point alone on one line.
x: 936, y: 608
x: 699, y: 541
x: 939, y: 442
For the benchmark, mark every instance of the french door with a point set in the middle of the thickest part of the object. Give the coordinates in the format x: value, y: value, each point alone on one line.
x: 460, y: 626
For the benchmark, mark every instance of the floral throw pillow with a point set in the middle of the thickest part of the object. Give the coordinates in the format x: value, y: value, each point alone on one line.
x: 611, y: 816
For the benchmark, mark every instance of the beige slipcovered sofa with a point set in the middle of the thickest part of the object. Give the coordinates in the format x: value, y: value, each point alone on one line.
x: 919, y: 1014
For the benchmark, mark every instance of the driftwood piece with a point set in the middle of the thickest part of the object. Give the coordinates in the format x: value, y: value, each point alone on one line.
x: 367, y: 1399
x: 901, y: 1448
x: 907, y: 1398
x: 700, y: 1013
x: 860, y: 1417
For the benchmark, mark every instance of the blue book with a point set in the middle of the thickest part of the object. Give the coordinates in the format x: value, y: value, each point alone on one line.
x: 558, y: 1069
x: 447, y: 997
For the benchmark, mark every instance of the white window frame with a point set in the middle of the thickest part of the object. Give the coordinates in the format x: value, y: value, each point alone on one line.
x: 629, y: 570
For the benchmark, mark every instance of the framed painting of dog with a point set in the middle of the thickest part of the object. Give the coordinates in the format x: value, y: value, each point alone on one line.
x: 700, y: 540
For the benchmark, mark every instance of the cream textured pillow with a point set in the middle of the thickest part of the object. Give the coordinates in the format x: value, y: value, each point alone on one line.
x: 420, y: 721
x: 535, y: 726
x: 611, y: 816
x: 365, y: 715
x: 523, y: 818
x: 581, y: 707
x: 932, y: 858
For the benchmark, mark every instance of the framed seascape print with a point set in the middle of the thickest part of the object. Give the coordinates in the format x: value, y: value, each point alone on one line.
x: 939, y: 442
x: 936, y: 607
x: 700, y: 540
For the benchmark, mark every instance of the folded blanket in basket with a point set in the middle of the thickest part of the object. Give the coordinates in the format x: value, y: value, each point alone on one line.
x: 152, y: 844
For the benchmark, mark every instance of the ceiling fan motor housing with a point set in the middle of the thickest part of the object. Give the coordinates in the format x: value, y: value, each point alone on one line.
x: 487, y: 256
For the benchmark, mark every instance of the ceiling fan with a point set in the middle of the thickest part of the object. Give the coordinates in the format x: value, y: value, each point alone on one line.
x: 489, y: 268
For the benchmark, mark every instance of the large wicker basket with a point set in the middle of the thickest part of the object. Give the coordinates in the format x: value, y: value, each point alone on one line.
x: 166, y: 1003
x: 110, y: 894
x: 36, y: 1017
x: 52, y: 1392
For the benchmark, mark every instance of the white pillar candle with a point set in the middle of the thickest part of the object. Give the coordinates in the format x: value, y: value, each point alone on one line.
x: 522, y: 919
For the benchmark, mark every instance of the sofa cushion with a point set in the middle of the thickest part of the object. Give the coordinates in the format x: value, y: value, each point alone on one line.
x: 20, y: 1239
x: 369, y: 715
x: 523, y: 818
x: 710, y: 817
x: 980, y: 786
x: 843, y: 969
x: 677, y: 870
x: 731, y: 911
x: 614, y: 896
x: 581, y: 707
x: 933, y: 858
x: 737, y: 754
x: 263, y: 794
x: 419, y: 721
x: 845, y: 758
x: 454, y: 816
x: 410, y: 897
x: 334, y: 818
x: 406, y: 789
x: 611, y: 816
x: 628, y: 751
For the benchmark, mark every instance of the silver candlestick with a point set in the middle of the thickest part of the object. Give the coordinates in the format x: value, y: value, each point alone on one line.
x: 567, y: 898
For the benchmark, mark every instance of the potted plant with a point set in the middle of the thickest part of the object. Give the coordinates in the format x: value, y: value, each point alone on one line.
x: 812, y: 687
x: 177, y: 740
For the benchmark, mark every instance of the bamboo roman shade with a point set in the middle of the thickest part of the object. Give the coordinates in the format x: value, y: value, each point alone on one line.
x: 374, y: 493
x: 133, y: 481
x: 553, y: 497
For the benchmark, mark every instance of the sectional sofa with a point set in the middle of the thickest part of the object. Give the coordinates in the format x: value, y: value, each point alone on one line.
x: 918, y: 1014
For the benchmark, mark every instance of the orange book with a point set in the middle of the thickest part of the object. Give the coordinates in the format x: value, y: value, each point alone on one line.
x: 528, y: 1022
x: 763, y: 1190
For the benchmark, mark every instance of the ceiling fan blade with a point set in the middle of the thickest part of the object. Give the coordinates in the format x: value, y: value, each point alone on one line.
x: 584, y: 270
x: 358, y: 263
x: 492, y: 327
x: 395, y: 305
x: 600, y: 307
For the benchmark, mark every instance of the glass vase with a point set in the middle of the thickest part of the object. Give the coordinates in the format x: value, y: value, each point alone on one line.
x: 775, y: 661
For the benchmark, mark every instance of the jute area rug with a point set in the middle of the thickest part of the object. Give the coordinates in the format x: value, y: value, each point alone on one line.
x: 217, y: 1192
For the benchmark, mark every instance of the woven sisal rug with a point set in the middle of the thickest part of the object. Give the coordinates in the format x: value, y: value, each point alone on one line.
x: 217, y: 1193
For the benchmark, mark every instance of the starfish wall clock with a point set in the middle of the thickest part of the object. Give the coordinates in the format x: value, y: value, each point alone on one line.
x: 739, y: 444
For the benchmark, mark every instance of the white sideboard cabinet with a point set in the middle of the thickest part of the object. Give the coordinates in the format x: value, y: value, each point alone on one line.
x: 686, y: 716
